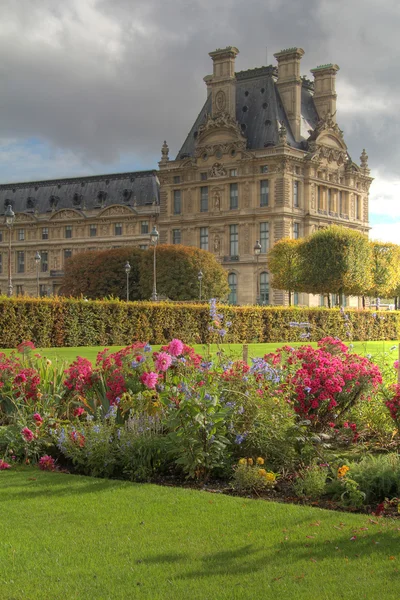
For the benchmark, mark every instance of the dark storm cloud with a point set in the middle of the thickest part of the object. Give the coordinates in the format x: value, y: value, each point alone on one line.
x: 104, y: 78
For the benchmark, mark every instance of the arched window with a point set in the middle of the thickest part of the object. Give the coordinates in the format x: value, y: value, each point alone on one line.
x: 232, y: 281
x: 264, y: 288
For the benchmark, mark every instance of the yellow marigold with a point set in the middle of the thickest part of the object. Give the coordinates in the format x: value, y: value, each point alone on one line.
x: 260, y: 461
x: 250, y: 461
x: 242, y: 461
x: 270, y: 476
x: 343, y: 470
x: 262, y: 472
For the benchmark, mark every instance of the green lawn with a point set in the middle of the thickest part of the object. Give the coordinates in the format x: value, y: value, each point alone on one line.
x: 68, y: 537
x: 69, y: 354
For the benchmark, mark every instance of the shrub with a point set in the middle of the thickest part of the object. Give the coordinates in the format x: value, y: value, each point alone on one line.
x: 251, y: 476
x: 378, y: 476
x: 311, y: 482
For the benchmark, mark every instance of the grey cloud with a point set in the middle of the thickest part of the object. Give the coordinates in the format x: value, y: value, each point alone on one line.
x: 107, y: 78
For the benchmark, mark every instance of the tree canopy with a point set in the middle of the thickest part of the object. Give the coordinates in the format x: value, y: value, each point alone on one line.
x: 284, y: 265
x: 385, y: 269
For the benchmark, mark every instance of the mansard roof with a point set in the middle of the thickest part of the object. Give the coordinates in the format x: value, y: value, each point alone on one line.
x: 259, y: 111
x: 139, y: 188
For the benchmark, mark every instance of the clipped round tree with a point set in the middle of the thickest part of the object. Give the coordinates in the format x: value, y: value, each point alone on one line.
x: 385, y: 269
x: 98, y: 274
x: 283, y: 263
x: 335, y: 260
x: 177, y: 270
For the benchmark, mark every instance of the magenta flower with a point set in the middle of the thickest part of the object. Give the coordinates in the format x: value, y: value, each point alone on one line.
x: 4, y: 465
x: 38, y: 419
x: 163, y: 361
x: 175, y: 347
x: 149, y: 379
x: 78, y: 411
x: 396, y: 365
x: 47, y: 463
x: 27, y: 434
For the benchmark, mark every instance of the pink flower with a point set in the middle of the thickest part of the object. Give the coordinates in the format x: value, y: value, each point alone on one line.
x: 163, y: 361
x: 396, y: 365
x: 4, y: 465
x: 25, y: 347
x: 175, y: 347
x: 47, y: 463
x: 38, y: 419
x: 149, y: 380
x: 27, y: 433
x: 78, y: 411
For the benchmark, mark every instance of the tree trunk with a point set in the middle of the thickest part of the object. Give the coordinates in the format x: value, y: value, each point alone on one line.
x: 329, y: 300
x: 363, y: 302
x: 290, y: 298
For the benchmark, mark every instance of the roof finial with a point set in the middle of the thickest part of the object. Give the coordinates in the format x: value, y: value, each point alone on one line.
x: 164, y: 153
x: 364, y: 159
x: 282, y: 134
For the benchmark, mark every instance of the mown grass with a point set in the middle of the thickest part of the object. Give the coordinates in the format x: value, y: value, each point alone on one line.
x: 235, y: 350
x: 72, y: 537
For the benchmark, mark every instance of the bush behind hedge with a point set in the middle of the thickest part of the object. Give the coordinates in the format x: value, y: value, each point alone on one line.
x: 56, y: 322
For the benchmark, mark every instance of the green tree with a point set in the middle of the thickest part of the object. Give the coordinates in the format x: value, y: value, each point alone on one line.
x: 283, y: 264
x: 98, y: 274
x: 177, y: 273
x: 335, y: 260
x: 385, y: 269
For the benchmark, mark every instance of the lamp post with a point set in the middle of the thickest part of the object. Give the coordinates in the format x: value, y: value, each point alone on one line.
x: 200, y: 278
x: 127, y: 271
x: 153, y: 241
x: 9, y: 219
x: 257, y: 250
x: 37, y: 261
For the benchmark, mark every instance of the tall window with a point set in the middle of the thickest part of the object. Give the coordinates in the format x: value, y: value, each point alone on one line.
x: 1, y: 263
x: 296, y: 231
x: 296, y: 194
x: 67, y: 254
x: 329, y: 194
x: 233, y: 240
x: 21, y: 235
x: 340, y: 200
x: 42, y: 290
x: 232, y: 282
x: 93, y: 230
x: 177, y: 178
x: 20, y: 261
x: 144, y: 227
x: 176, y: 236
x: 319, y: 198
x: 264, y: 288
x: 118, y: 229
x: 233, y: 196
x: 45, y: 233
x: 264, y: 192
x: 204, y: 238
x: 68, y: 231
x: 204, y: 199
x: 295, y: 298
x: 177, y: 202
x: 264, y: 237
x: 44, y: 261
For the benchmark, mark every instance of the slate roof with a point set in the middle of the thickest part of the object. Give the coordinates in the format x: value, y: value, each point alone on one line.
x: 139, y: 188
x: 259, y: 111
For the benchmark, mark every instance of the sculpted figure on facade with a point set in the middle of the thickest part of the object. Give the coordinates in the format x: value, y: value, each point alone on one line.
x: 217, y: 244
x: 217, y: 170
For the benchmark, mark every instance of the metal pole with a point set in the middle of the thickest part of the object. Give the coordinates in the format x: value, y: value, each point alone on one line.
x: 10, y: 286
x: 154, y: 294
x: 127, y: 286
x: 200, y: 290
x: 258, y: 283
x: 37, y: 279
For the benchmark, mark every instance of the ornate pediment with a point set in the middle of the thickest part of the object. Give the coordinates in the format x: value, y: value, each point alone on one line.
x: 318, y: 152
x: 222, y: 121
x: 24, y: 217
x: 63, y: 215
x: 116, y: 210
x: 218, y: 135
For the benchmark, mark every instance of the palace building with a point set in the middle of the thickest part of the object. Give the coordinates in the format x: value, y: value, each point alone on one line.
x: 265, y: 159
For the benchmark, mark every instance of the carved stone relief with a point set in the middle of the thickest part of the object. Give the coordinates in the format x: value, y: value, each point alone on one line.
x: 312, y: 187
x: 217, y: 170
x: 217, y: 244
x: 220, y: 101
x: 246, y: 195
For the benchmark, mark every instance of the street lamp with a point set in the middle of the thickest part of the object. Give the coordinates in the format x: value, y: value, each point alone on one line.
x: 127, y: 271
x: 200, y: 278
x: 257, y: 250
x: 153, y: 241
x: 9, y: 219
x: 37, y: 261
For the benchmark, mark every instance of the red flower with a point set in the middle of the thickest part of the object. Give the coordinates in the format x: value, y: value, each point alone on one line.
x: 38, y: 419
x: 4, y: 465
x: 78, y: 411
x: 47, y: 463
x: 27, y: 434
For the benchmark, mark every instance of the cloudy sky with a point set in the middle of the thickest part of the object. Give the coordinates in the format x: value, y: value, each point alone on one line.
x: 95, y: 86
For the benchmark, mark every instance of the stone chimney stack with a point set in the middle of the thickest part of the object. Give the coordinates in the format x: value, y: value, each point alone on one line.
x: 223, y: 81
x: 324, y: 90
x: 289, y: 86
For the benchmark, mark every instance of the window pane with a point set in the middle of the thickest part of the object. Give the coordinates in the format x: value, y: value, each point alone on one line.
x: 296, y: 193
x: 144, y: 227
x: 233, y: 240
x: 21, y: 235
x: 45, y: 233
x: 118, y: 228
x: 296, y: 231
x: 203, y: 199
x: 233, y: 194
x: 177, y: 202
x: 68, y: 231
x: 44, y: 262
x: 264, y: 288
x: 264, y: 192
x: 264, y: 237
x: 20, y: 262
x: 176, y: 236
x: 204, y: 238
x: 232, y: 282
x: 93, y: 230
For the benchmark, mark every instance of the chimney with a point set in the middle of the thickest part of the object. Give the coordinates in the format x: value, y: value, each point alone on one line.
x: 223, y: 81
x: 324, y: 90
x: 289, y: 86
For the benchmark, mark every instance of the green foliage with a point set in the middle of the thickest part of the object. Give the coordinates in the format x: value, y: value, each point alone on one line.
x: 378, y: 476
x: 55, y: 322
x: 335, y: 260
x: 101, y: 274
x: 249, y: 477
x: 311, y: 482
x: 284, y: 264
x: 385, y: 268
x: 177, y: 270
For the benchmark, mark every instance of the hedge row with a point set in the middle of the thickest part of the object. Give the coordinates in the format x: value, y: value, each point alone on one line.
x: 70, y: 322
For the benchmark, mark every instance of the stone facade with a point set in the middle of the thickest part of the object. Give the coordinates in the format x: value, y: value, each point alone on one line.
x: 265, y: 159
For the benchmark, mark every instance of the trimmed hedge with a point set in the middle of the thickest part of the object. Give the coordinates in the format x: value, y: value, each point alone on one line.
x: 56, y: 322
